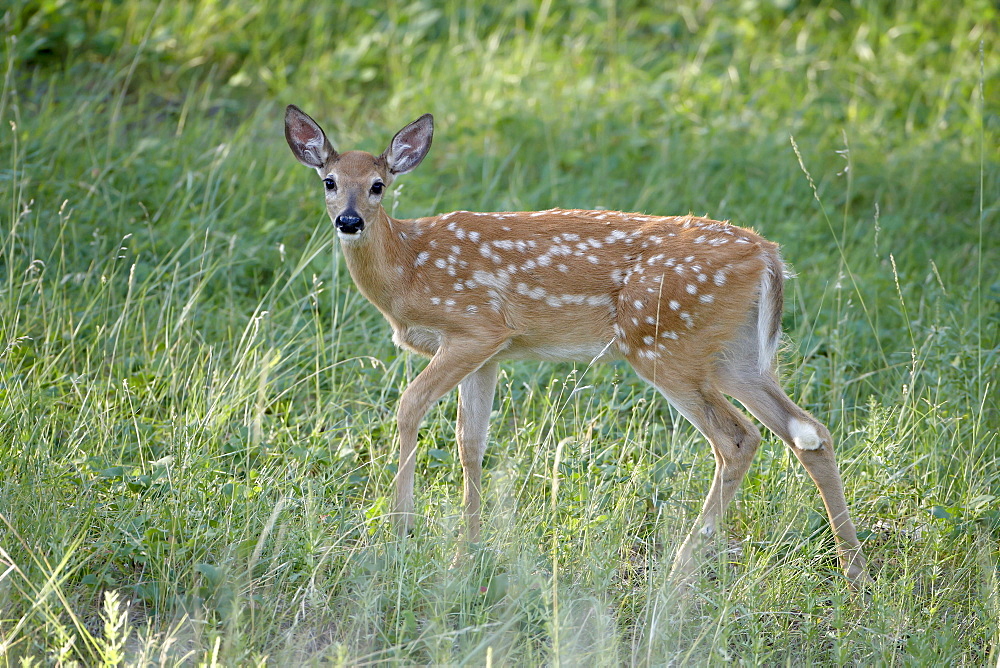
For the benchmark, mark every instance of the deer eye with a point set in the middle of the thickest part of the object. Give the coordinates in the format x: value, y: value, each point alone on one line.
x: 377, y: 188
x: 330, y: 183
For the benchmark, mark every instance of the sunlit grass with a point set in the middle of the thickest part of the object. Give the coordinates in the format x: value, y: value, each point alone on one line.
x: 196, y: 406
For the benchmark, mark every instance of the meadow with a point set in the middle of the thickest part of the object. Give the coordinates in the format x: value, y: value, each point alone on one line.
x: 197, y: 406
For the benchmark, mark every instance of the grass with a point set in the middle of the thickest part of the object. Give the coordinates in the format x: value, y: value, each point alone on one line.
x: 196, y: 406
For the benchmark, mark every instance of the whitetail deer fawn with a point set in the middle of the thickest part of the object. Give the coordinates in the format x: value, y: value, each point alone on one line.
x: 694, y: 305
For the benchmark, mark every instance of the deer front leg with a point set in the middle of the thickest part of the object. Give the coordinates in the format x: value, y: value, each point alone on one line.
x: 453, y: 361
x: 475, y: 401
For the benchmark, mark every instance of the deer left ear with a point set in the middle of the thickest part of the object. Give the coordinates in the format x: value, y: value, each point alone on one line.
x: 306, y: 138
x: 410, y: 146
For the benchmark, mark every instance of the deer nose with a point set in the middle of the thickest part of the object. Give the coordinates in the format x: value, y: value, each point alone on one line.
x: 349, y: 223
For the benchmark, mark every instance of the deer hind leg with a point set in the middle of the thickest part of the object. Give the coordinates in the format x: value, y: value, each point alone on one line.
x: 812, y: 445
x: 475, y: 401
x: 734, y: 441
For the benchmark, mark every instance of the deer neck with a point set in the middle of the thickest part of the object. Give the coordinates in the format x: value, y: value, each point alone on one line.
x: 376, y: 260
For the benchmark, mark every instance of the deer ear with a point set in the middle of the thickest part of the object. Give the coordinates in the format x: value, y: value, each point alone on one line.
x: 306, y: 138
x: 410, y: 145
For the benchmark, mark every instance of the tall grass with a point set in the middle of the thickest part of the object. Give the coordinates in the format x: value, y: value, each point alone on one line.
x: 196, y: 406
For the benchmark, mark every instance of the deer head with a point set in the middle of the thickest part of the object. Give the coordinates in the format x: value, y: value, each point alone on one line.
x: 356, y: 181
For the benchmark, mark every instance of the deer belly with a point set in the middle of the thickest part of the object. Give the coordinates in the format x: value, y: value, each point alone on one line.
x: 422, y: 340
x: 561, y: 351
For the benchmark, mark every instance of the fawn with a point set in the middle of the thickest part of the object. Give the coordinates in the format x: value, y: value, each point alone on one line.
x: 693, y: 305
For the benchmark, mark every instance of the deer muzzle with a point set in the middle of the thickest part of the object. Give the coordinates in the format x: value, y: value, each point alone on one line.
x: 349, y: 222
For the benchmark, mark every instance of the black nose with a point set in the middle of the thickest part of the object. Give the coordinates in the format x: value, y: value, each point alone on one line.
x: 349, y: 223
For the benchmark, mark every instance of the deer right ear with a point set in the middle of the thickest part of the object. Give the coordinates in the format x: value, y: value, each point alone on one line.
x: 306, y: 138
x: 410, y: 145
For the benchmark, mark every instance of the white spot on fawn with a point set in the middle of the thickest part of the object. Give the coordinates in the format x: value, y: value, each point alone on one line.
x: 533, y: 293
x: 422, y: 258
x: 500, y: 280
